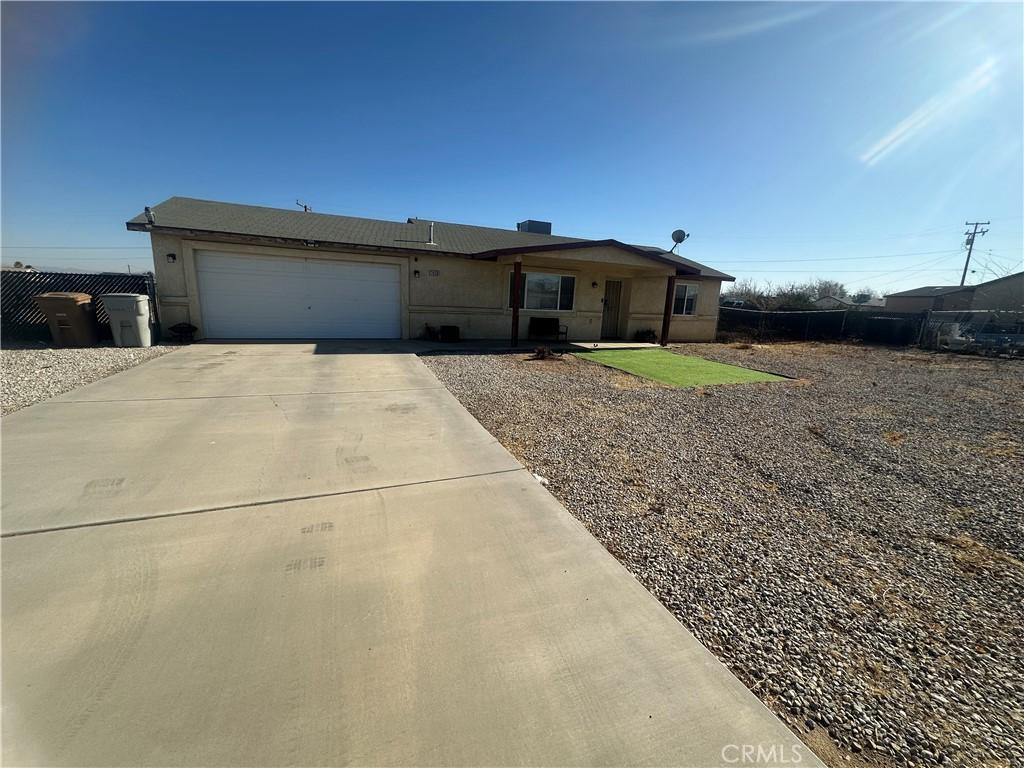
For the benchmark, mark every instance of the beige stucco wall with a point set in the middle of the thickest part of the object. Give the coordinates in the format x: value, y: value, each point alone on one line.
x: 473, y: 295
x: 648, y: 306
x: 171, y: 288
x: 1006, y: 294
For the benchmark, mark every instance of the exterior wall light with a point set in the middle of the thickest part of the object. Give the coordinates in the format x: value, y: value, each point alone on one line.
x: 171, y: 258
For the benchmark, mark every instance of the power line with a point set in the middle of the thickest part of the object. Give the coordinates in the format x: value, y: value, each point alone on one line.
x: 806, y: 272
x: 1016, y: 257
x: 926, y: 271
x: 852, y: 238
x: 994, y: 267
x: 852, y: 258
x: 985, y: 269
x: 921, y: 264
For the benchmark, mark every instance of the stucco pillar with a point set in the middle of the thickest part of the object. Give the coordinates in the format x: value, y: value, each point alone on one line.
x: 666, y: 320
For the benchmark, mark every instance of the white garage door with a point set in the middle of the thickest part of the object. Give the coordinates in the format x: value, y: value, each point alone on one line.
x: 267, y: 297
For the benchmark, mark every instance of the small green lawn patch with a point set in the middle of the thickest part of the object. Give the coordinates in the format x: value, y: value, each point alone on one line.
x: 676, y: 370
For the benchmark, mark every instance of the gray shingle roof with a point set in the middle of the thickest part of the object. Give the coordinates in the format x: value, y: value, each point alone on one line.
x: 705, y: 271
x: 186, y: 213
x: 933, y: 290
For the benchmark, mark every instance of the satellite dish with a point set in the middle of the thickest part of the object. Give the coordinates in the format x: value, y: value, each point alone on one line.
x: 678, y: 236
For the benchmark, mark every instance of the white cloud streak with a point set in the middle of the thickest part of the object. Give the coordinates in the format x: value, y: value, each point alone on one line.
x: 756, y: 25
x: 937, y: 108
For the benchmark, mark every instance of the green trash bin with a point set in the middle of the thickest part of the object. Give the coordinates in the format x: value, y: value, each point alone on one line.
x: 71, y: 317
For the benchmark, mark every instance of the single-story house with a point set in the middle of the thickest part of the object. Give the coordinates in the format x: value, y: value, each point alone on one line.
x: 1004, y: 293
x: 242, y: 271
x: 930, y: 297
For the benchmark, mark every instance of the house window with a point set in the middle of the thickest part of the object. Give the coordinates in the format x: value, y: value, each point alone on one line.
x: 686, y: 299
x: 544, y: 291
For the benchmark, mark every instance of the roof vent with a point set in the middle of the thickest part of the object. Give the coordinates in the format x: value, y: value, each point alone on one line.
x: 534, y: 226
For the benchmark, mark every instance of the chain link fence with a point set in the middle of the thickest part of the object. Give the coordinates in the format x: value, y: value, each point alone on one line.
x: 985, y: 332
x: 873, y: 326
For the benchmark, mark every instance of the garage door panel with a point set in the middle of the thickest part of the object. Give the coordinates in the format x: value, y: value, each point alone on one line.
x: 224, y: 284
x: 280, y: 297
x: 352, y: 272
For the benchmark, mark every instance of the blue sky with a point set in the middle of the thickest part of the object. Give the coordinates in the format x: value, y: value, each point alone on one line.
x: 841, y: 140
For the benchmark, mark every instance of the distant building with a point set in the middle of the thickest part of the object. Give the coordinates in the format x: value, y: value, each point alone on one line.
x: 832, y: 302
x: 931, y: 297
x: 1004, y: 293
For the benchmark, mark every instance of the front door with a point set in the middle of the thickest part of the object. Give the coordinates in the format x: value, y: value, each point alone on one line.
x: 610, y: 315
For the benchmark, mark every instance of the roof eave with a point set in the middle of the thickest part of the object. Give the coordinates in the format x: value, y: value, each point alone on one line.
x: 681, y: 269
x: 135, y: 226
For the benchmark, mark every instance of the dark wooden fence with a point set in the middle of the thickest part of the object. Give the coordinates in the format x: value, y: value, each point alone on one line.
x: 875, y: 326
x: 21, y: 317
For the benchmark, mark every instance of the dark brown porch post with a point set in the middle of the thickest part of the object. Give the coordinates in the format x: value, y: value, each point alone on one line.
x: 517, y: 287
x: 666, y: 320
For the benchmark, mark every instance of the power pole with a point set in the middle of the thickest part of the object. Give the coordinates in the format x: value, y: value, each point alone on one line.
x: 971, y: 234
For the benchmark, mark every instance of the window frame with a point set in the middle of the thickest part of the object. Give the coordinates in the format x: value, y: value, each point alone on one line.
x: 686, y: 297
x: 526, y: 290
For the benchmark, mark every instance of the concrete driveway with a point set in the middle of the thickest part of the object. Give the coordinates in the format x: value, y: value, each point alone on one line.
x: 311, y: 554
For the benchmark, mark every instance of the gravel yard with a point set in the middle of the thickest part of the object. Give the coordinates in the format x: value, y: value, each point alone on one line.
x: 35, y: 371
x: 848, y: 542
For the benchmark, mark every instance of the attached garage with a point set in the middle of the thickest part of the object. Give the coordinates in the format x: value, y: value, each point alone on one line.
x: 243, y: 296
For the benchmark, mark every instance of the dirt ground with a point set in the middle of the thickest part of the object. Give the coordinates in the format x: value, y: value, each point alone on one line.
x: 849, y: 542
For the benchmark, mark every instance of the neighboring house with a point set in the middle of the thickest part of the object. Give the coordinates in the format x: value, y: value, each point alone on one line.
x: 846, y: 302
x: 1004, y: 293
x: 241, y: 271
x: 832, y: 302
x: 873, y: 303
x: 930, y: 297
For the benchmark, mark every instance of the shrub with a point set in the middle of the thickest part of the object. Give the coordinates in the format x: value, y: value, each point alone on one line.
x: 545, y: 353
x: 645, y: 335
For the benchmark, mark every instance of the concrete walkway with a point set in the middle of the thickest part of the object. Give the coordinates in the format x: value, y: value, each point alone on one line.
x: 311, y: 554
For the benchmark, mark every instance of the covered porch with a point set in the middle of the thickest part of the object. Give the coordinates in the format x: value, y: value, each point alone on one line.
x: 604, y: 293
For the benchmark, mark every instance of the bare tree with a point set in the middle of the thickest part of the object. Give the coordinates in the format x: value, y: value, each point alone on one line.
x: 793, y: 295
x: 822, y: 288
x: 746, y: 289
x: 865, y: 295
